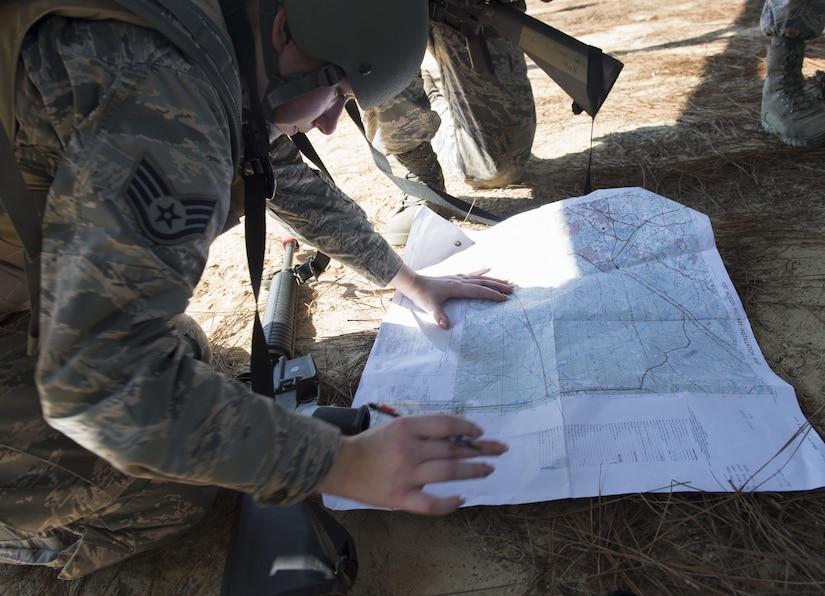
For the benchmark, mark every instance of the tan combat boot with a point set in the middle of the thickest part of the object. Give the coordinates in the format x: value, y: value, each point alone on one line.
x: 422, y: 166
x: 787, y: 110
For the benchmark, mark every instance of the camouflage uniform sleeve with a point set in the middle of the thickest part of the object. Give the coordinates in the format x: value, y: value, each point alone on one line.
x: 141, y: 188
x: 310, y: 203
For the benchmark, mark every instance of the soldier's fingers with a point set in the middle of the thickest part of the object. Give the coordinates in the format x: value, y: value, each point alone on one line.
x: 421, y: 502
x: 445, y: 470
x: 440, y: 426
x: 477, y: 272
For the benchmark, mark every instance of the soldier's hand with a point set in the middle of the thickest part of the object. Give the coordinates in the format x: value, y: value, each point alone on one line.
x: 430, y: 293
x: 389, y: 465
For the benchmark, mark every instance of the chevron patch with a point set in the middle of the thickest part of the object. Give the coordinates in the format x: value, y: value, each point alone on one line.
x: 164, y: 217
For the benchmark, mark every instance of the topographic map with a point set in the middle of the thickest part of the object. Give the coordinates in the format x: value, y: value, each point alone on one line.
x: 623, y: 361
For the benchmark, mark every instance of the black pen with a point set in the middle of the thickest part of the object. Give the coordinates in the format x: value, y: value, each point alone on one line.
x: 390, y: 411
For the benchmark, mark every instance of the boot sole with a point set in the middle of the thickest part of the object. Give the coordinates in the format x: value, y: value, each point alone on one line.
x: 818, y: 141
x: 397, y: 239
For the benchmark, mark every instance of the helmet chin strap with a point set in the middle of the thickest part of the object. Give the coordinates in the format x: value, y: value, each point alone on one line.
x: 282, y: 89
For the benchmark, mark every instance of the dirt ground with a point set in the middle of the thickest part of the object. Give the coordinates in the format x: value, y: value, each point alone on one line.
x: 682, y: 121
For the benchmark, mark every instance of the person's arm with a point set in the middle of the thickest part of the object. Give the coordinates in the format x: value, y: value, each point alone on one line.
x: 318, y: 211
x: 331, y: 221
x: 140, y: 190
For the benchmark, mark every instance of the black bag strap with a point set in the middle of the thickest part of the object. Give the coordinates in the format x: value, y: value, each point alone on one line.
x: 346, y: 565
x: 14, y: 194
x: 25, y: 210
x: 259, y: 185
x: 304, y: 145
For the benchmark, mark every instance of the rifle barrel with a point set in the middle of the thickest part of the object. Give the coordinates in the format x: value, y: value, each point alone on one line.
x: 583, y: 71
x: 281, y: 311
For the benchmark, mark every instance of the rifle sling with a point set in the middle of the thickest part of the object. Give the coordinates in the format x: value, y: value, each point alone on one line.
x: 411, y: 187
x: 258, y: 187
x: 417, y: 189
x: 458, y: 206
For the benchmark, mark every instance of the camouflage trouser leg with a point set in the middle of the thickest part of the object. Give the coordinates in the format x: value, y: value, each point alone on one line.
x: 64, y: 507
x: 797, y: 19
x: 489, y: 120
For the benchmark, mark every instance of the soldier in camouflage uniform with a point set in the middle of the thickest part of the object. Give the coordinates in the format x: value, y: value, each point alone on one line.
x: 114, y: 436
x: 481, y: 127
x: 789, y: 111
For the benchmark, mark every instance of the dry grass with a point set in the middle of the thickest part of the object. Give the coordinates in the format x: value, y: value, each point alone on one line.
x: 734, y: 543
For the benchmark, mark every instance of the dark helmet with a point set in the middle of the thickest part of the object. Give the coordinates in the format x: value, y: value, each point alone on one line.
x: 378, y: 44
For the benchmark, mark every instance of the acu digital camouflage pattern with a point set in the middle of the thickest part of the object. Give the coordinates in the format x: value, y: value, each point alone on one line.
x: 797, y: 19
x: 316, y: 210
x: 489, y: 120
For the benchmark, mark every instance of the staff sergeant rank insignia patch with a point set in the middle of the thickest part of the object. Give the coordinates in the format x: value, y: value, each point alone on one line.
x: 165, y: 218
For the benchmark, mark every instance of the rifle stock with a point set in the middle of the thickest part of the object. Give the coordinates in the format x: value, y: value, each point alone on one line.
x: 583, y: 71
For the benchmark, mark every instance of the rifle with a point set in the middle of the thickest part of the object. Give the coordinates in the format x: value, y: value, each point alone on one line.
x: 295, y: 378
x: 284, y: 549
x: 584, y: 72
